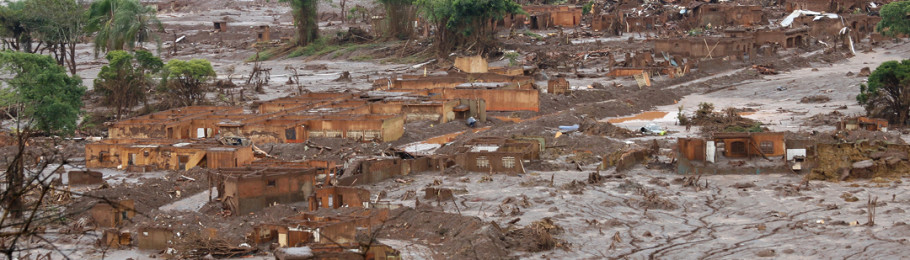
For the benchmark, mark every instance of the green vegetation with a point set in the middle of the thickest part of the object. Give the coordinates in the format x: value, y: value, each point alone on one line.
x: 532, y: 34
x: 463, y: 23
x: 49, y: 25
x: 885, y: 95
x: 894, y: 19
x: 120, y: 24
x: 44, y: 97
x: 318, y: 47
x: 305, y: 13
x: 586, y: 8
x: 184, y: 83
x: 399, y: 15
x: 124, y: 82
x: 513, y: 58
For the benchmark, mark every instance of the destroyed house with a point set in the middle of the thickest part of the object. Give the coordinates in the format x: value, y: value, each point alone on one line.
x: 337, y: 197
x: 497, y: 154
x: 174, y: 123
x: 108, y: 214
x: 740, y: 145
x: 310, y: 229
x: 870, y: 124
x: 453, y: 80
x: 372, y: 170
x: 829, y: 29
x: 831, y: 6
x: 728, y: 15
x: 710, y: 47
x: 544, y: 16
x: 147, y: 154
x: 250, y: 189
x: 295, y: 119
x: 696, y: 155
x: 787, y: 38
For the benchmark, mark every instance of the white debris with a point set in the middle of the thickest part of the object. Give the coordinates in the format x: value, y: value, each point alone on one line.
x: 797, y: 13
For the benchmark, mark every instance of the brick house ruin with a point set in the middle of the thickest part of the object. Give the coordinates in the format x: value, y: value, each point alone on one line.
x: 149, y: 154
x: 112, y: 214
x: 337, y: 197
x: 696, y: 155
x: 544, y: 16
x: 707, y: 47
x: 250, y: 189
x: 378, y: 116
x: 870, y: 124
x: 497, y: 154
x: 727, y: 15
x: 372, y: 170
x: 309, y: 229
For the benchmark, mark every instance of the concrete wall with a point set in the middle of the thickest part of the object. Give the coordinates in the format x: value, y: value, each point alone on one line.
x: 154, y: 238
x: 84, y: 178
x: 497, y: 99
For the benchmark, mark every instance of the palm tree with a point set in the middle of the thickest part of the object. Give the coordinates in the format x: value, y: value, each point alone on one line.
x: 120, y: 24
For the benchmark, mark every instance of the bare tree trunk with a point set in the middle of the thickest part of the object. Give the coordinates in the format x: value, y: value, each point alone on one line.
x: 307, y: 24
x: 15, y: 175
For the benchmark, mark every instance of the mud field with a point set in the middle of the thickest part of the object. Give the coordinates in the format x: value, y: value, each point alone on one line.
x: 598, y: 188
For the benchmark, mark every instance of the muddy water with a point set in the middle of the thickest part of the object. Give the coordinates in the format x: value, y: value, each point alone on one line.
x: 644, y: 116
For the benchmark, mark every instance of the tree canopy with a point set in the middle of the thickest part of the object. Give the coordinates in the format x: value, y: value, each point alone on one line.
x: 304, y: 12
x: 41, y: 92
x: 120, y: 24
x: 462, y: 22
x: 894, y: 18
x: 185, y: 82
x: 126, y: 80
x: 58, y: 24
x: 887, y: 94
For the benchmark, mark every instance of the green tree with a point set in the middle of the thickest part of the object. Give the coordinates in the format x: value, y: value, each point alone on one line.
x: 399, y: 14
x: 124, y: 82
x: 14, y: 28
x: 185, y: 82
x: 44, y: 99
x: 59, y: 25
x: 465, y: 23
x: 120, y: 24
x: 895, y: 18
x: 304, y: 12
x: 887, y: 94
x: 41, y: 92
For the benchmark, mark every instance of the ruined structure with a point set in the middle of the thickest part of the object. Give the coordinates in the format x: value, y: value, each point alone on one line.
x: 149, y: 154
x: 728, y: 15
x: 870, y: 124
x: 112, y: 214
x: 316, y: 231
x: 697, y: 155
x: 250, y: 189
x: 497, y: 155
x: 336, y: 197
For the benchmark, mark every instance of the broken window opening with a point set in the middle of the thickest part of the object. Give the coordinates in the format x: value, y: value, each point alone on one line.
x: 767, y: 147
x: 290, y: 133
x: 483, y: 162
x: 271, y: 183
x: 508, y: 162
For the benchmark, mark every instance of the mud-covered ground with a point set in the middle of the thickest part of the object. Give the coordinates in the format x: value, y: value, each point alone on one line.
x: 650, y: 213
